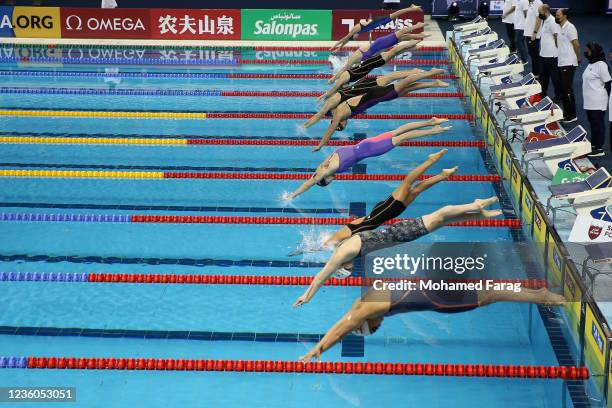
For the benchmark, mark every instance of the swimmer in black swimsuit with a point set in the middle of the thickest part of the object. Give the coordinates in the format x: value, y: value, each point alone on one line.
x: 395, y: 204
x: 365, y: 26
x: 359, y: 104
x: 364, y: 67
x: 341, y: 261
x: 367, y: 313
x: 361, y: 87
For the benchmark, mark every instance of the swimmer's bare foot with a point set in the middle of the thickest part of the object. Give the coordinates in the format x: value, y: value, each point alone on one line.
x: 549, y: 298
x: 481, y: 204
x: 436, y: 121
x: 446, y: 173
x: 439, y: 84
x: 490, y: 213
x: 434, y: 157
x: 439, y: 129
x: 437, y: 71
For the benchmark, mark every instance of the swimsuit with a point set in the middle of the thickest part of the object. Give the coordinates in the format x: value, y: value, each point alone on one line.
x: 358, y: 88
x: 348, y: 156
x: 403, y: 231
x: 381, y: 44
x: 373, y: 97
x: 382, y: 212
x: 376, y: 23
x: 441, y: 301
x: 364, y: 67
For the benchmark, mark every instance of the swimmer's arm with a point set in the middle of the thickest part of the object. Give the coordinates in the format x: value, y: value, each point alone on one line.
x: 349, y: 322
x: 306, y: 185
x: 356, y: 28
x: 328, y: 133
x: 320, y: 114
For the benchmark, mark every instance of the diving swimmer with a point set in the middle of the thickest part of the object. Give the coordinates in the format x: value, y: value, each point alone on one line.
x: 391, y: 207
x: 379, y: 45
x: 345, y: 157
x: 341, y: 261
x: 359, y: 104
x: 365, y: 26
x: 364, y: 67
x: 368, y: 313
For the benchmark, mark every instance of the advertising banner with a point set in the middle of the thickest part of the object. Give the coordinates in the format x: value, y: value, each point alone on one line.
x: 527, y: 206
x: 506, y: 165
x: 344, y: 20
x: 572, y: 291
x: 499, y: 150
x: 539, y: 229
x: 190, y: 24
x: 590, y: 230
x: 286, y: 24
x: 35, y: 22
x: 610, y: 364
x: 516, y: 183
x: 105, y: 23
x: 555, y: 262
x: 595, y: 347
x: 6, y: 21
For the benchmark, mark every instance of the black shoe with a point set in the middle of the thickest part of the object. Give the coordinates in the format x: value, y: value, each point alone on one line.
x: 596, y: 153
x: 569, y: 120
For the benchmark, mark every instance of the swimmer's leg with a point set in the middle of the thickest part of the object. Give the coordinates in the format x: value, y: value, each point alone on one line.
x: 343, y: 233
x: 423, y: 85
x: 540, y: 296
x: 398, y: 49
x: 394, y: 76
x: 457, y: 213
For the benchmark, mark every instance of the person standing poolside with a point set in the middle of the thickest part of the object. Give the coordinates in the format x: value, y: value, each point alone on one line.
x: 569, y: 59
x: 532, y: 36
x: 549, y: 70
x: 596, y: 82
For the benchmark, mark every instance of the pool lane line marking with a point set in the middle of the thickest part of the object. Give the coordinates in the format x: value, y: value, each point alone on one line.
x: 161, y: 175
x: 85, y: 140
x: 193, y: 92
x: 208, y: 115
x: 224, y: 219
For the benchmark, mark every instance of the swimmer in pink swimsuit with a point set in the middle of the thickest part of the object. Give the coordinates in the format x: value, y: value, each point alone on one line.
x: 345, y: 157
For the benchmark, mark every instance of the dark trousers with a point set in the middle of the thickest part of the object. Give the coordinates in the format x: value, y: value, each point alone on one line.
x: 510, y: 31
x: 566, y: 81
x: 534, y: 53
x: 521, y: 46
x: 549, y: 72
x: 597, y: 121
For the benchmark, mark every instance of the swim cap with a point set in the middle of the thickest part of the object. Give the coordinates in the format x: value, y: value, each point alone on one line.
x: 364, y: 330
x: 341, y: 273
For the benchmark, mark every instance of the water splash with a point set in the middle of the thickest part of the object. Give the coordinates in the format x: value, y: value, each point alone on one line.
x: 336, y: 62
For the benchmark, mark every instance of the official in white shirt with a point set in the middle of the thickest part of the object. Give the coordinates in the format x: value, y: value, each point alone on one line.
x: 549, y: 66
x: 508, y: 20
x: 596, y: 82
x: 520, y: 13
x: 568, y: 60
x: 610, y: 109
x: 532, y: 36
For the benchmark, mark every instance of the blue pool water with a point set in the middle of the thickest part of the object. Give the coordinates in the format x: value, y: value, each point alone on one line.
x: 498, y: 334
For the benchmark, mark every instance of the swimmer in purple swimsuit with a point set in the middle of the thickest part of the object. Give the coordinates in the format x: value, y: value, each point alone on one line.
x: 340, y: 264
x: 345, y: 157
x: 368, y: 312
x: 365, y: 26
x: 366, y: 93
x: 381, y: 44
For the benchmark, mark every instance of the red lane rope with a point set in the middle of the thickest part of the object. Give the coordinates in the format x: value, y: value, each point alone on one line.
x: 289, y: 142
x: 307, y: 76
x: 280, y: 115
x: 305, y: 176
x: 235, y: 219
x: 199, y: 279
x: 317, y: 94
x: 293, y: 48
x: 329, y: 367
x: 326, y: 62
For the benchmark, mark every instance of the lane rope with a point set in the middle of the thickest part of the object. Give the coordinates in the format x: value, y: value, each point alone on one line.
x: 157, y: 175
x: 211, y: 115
x: 207, y: 279
x: 280, y: 366
x: 222, y: 219
x: 193, y: 75
x: 217, y: 142
x: 193, y: 92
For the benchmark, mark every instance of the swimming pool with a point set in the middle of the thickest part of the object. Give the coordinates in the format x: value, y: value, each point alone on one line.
x: 85, y: 160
